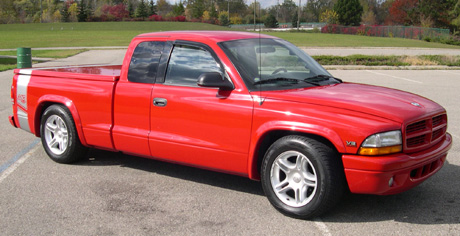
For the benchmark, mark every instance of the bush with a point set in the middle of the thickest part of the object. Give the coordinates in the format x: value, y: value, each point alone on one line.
x: 155, y: 18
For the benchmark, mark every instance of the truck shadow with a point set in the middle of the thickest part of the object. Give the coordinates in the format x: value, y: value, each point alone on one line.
x: 435, y: 201
x: 222, y: 180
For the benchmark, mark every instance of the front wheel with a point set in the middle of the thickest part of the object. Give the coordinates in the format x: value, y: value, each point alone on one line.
x: 59, y: 136
x: 302, y: 177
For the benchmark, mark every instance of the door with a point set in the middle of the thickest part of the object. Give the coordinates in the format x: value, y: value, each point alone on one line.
x: 133, y: 98
x: 199, y: 126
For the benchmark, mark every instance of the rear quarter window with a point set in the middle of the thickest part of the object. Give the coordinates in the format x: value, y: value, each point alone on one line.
x: 144, y: 63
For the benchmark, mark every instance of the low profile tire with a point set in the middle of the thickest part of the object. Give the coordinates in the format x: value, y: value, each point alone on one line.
x: 302, y: 177
x: 59, y: 135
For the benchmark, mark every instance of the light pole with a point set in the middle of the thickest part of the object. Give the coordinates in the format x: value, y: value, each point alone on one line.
x: 255, y: 6
x: 298, y: 15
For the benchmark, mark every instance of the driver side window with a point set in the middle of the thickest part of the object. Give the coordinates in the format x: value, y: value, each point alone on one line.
x: 187, y: 63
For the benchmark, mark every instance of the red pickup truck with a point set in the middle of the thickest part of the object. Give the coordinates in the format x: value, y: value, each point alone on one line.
x: 241, y: 103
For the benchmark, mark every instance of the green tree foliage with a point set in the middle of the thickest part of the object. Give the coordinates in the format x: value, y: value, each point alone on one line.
x: 82, y: 13
x: 141, y: 10
x: 130, y: 9
x: 197, y: 7
x: 315, y: 8
x: 329, y: 17
x: 271, y: 22
x: 286, y: 11
x: 294, y: 20
x: 437, y: 12
x: 65, y: 14
x: 349, y: 12
x: 223, y: 18
x: 178, y: 9
x: 153, y: 8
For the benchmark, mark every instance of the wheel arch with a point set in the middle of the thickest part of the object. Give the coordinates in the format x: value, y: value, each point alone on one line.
x: 268, y: 137
x: 49, y: 100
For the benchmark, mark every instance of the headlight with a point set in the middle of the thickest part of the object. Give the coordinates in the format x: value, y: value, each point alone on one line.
x: 382, y: 144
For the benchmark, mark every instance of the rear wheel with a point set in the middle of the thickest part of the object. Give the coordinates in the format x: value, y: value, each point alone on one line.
x: 302, y: 177
x: 59, y: 136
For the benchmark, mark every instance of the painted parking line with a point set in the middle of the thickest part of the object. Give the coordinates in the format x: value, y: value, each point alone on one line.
x: 13, y: 163
x: 395, y: 77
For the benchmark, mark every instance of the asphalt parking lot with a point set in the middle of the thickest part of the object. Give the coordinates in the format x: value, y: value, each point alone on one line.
x: 115, y: 194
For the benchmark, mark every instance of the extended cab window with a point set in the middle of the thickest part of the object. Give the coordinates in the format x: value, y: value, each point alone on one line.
x: 187, y: 63
x: 144, y: 62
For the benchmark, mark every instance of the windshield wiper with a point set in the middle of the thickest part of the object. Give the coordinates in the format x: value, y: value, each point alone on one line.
x: 320, y: 78
x: 268, y: 81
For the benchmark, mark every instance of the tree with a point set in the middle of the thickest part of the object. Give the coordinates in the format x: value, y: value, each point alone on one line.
x: 130, y: 9
x: 437, y: 12
x: 65, y: 14
x: 141, y: 10
x: 82, y: 14
x: 163, y: 7
x: 455, y: 14
x: 329, y: 16
x: 402, y: 12
x: 271, y: 22
x: 294, y: 20
x: 349, y: 12
x: 178, y: 9
x: 314, y: 8
x: 223, y: 18
x: 153, y: 8
x: 197, y: 7
x: 286, y: 10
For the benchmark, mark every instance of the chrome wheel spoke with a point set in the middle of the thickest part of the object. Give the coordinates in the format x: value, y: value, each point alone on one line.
x: 53, y: 143
x: 56, y: 134
x: 293, y: 178
x: 282, y: 187
x: 284, y: 166
x: 51, y: 127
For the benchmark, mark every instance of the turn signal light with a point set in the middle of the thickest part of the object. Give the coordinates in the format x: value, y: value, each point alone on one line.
x: 376, y: 151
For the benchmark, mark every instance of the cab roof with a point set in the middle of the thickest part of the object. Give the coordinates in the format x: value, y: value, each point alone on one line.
x: 215, y: 36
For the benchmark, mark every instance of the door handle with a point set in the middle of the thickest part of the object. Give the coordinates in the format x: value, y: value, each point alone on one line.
x: 160, y: 102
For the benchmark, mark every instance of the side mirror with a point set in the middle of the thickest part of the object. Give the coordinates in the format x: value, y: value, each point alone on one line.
x: 214, y: 80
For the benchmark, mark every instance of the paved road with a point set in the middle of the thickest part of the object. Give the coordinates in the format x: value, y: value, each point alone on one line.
x: 115, y: 194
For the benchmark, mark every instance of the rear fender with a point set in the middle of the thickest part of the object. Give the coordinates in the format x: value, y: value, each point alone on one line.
x: 47, y: 100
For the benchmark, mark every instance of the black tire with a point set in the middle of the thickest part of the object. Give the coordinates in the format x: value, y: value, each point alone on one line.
x: 59, y: 135
x: 302, y: 177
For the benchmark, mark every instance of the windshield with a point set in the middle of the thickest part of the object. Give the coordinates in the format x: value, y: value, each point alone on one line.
x: 275, y: 64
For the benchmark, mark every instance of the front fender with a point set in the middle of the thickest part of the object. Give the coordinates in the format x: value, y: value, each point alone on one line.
x: 57, y: 99
x: 289, y: 126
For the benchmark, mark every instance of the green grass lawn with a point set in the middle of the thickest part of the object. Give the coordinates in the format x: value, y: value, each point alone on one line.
x: 86, y: 34
x: 120, y: 34
x: 344, y: 40
x: 48, y: 53
x: 7, y: 63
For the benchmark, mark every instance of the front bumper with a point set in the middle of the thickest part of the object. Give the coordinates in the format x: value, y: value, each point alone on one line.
x: 384, y: 175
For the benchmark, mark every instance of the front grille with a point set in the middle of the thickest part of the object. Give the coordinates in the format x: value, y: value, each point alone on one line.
x: 425, y: 133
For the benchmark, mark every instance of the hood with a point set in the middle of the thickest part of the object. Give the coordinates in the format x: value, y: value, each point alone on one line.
x: 387, y: 103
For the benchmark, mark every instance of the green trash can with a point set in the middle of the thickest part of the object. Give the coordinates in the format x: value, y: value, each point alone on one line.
x: 24, y: 57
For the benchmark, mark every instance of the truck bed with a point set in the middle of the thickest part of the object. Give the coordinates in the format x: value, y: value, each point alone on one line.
x: 85, y: 72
